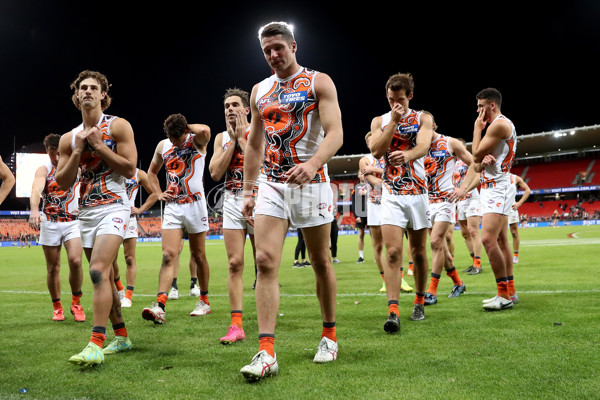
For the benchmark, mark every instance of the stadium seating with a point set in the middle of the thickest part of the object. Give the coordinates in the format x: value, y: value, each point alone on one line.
x: 558, y: 173
x: 12, y: 228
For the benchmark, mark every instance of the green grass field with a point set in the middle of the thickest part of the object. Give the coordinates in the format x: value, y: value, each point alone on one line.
x: 547, y: 347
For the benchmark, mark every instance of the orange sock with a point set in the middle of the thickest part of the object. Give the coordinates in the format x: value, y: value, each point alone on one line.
x: 129, y: 292
x: 453, y: 274
x: 161, y: 298
x: 477, y: 262
x: 267, y: 342
x: 401, y: 273
x: 329, y: 331
x: 236, y: 318
x: 382, y: 277
x: 120, y: 329
x: 75, y: 298
x: 118, y: 283
x: 393, y: 307
x: 511, y: 286
x: 204, y: 297
x: 433, y: 283
x: 98, y: 338
x: 420, y: 298
x: 56, y: 304
x: 502, y: 284
x: 410, y: 265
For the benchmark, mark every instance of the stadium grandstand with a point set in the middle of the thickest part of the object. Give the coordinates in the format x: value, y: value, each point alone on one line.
x: 562, y: 169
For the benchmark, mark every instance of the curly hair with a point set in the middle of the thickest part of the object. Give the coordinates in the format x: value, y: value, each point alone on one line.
x: 51, y: 141
x: 100, y: 78
x: 242, y: 94
x: 175, y: 125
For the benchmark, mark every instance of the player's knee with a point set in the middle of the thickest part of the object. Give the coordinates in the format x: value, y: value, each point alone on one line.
x: 129, y: 260
x: 378, y: 248
x: 394, y: 255
x: 236, y: 264
x: 96, y: 276
x: 437, y: 243
x: 168, y: 257
x: 74, y: 262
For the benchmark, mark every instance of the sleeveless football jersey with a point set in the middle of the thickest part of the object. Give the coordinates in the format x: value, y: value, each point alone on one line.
x: 375, y: 192
x: 185, y: 169
x: 407, y: 178
x: 498, y: 173
x: 234, y: 175
x: 292, y: 127
x: 439, y: 166
x: 132, y: 185
x: 58, y: 205
x: 100, y: 185
x: 460, y: 171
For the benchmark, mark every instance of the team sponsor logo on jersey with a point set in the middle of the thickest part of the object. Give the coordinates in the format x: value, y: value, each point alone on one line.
x: 439, y: 153
x: 406, y: 129
x: 295, y: 97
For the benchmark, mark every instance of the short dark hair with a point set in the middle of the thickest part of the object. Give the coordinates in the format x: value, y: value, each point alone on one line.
x: 51, y: 141
x: 490, y: 94
x: 100, y: 78
x: 175, y: 125
x: 277, y: 28
x: 242, y: 94
x: 401, y: 81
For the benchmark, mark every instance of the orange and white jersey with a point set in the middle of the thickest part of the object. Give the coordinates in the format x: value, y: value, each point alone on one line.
x: 58, y: 205
x: 460, y: 171
x: 234, y: 175
x: 375, y: 192
x: 185, y: 170
x: 100, y: 185
x: 132, y: 185
x: 408, y: 178
x: 439, y: 167
x: 498, y: 173
x: 292, y: 127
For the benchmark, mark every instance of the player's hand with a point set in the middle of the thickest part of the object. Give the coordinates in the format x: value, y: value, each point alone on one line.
x: 456, y: 195
x: 516, y: 206
x: 93, y: 136
x: 488, y: 160
x: 34, y: 220
x: 241, y: 125
x: 480, y: 124
x: 167, y: 195
x: 135, y: 211
x: 398, y: 157
x: 397, y: 112
x: 300, y: 174
x: 80, y: 140
x: 248, y: 209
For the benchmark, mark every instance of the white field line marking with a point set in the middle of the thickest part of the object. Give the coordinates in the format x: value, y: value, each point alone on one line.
x: 559, y: 242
